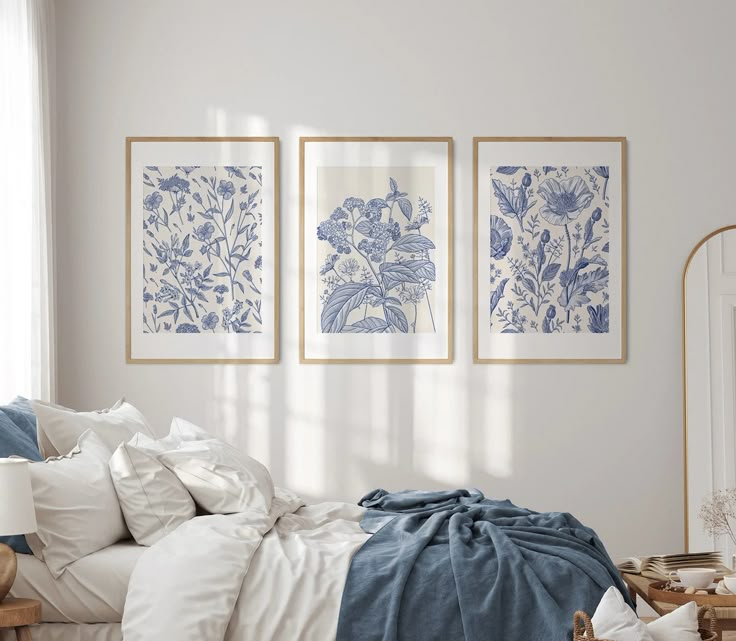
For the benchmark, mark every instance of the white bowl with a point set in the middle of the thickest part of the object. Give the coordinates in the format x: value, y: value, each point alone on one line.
x: 698, y: 578
x: 730, y: 583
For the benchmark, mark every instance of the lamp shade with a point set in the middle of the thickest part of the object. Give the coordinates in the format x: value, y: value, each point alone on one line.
x: 17, y: 514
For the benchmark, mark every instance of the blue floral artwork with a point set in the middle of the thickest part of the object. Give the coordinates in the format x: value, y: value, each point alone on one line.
x: 202, y: 250
x: 549, y: 247
x: 376, y: 269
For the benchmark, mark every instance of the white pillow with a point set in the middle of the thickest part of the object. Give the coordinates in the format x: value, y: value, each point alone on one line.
x: 614, y: 619
x: 154, y: 502
x: 59, y: 428
x: 77, y: 510
x: 221, y: 479
x: 679, y: 625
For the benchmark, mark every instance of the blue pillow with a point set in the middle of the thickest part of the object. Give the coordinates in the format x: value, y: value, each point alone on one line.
x: 18, y: 438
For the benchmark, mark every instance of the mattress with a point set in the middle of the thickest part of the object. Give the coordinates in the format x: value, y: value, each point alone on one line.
x: 70, y: 632
x: 91, y: 590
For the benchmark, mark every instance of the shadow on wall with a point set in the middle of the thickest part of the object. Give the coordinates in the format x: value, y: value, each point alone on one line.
x: 334, y: 431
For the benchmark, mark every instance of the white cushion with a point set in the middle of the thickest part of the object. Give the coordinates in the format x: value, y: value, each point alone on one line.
x: 679, y: 625
x: 614, y: 619
x: 221, y: 479
x: 154, y: 502
x: 77, y: 510
x: 59, y: 428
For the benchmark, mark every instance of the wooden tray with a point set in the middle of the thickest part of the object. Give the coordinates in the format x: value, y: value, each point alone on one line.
x: 678, y: 596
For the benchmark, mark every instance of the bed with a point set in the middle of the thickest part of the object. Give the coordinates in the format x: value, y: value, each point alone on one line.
x: 186, y: 538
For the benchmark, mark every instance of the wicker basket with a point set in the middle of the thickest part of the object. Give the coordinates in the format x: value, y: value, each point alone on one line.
x: 711, y: 633
x: 583, y: 628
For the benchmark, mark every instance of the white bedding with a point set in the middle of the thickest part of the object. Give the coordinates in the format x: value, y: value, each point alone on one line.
x: 247, y: 577
x: 91, y: 590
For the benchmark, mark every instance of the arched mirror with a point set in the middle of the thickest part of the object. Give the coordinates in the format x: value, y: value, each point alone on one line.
x: 709, y: 345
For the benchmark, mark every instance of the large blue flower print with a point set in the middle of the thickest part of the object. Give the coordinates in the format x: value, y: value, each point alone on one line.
x: 501, y: 238
x: 565, y: 200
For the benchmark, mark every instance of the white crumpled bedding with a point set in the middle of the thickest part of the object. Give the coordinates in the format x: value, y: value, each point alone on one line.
x: 247, y: 576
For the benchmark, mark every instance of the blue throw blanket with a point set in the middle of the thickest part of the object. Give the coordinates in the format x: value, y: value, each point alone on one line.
x: 455, y: 566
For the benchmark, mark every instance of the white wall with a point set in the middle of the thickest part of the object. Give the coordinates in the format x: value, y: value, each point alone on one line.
x: 604, y: 442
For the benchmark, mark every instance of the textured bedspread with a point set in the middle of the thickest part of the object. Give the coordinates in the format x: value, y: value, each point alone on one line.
x: 454, y: 566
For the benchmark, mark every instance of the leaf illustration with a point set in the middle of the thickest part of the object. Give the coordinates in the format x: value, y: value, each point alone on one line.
x: 550, y: 271
x: 506, y: 197
x: 508, y: 171
x: 368, y: 325
x: 394, y: 274
x: 343, y: 300
x: 497, y: 294
x: 405, y: 207
x: 605, y: 247
x: 396, y: 318
x: 548, y: 169
x: 393, y: 185
x: 583, y: 284
x: 413, y: 244
x: 422, y: 268
x: 364, y: 227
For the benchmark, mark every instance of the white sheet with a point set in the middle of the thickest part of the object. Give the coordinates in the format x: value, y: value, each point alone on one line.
x: 247, y: 576
x: 294, y: 584
x: 92, y: 590
x: 70, y: 632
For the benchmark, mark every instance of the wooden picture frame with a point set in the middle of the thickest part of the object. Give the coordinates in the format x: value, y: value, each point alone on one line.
x: 348, y: 176
x: 516, y: 167
x: 234, y: 310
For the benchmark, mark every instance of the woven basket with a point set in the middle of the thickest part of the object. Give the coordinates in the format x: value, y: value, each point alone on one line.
x: 709, y: 634
x: 583, y: 628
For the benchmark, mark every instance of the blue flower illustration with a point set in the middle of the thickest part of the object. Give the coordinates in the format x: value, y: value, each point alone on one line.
x: 188, y: 295
x: 173, y: 184
x: 353, y: 203
x: 187, y: 328
x: 209, y: 322
x: 598, y: 319
x: 153, y: 201
x: 335, y: 233
x: 259, y: 262
x: 565, y: 200
x: 385, y: 286
x: 226, y: 189
x: 501, y: 238
x: 329, y: 264
x: 204, y: 232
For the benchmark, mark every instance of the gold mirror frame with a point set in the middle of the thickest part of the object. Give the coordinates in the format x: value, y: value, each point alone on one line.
x: 690, y: 257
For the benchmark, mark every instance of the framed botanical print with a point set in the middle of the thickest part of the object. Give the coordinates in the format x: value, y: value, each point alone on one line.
x: 202, y: 255
x: 376, y: 250
x: 549, y: 250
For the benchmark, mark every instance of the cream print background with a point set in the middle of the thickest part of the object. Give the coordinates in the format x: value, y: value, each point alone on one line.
x: 376, y: 229
x: 549, y: 248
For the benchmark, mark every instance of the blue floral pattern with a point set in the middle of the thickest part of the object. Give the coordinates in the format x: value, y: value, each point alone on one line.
x: 549, y: 243
x: 202, y: 248
x: 379, y: 273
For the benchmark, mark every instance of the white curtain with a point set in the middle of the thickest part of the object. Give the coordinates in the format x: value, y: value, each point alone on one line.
x: 27, y: 351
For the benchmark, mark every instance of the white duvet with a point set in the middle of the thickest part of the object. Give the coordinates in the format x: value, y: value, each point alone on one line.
x: 246, y: 577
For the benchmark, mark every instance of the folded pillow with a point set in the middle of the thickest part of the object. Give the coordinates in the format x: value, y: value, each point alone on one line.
x: 614, y: 619
x: 221, y: 479
x: 18, y: 438
x: 59, y: 428
x: 77, y: 509
x: 679, y: 625
x: 154, y: 502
